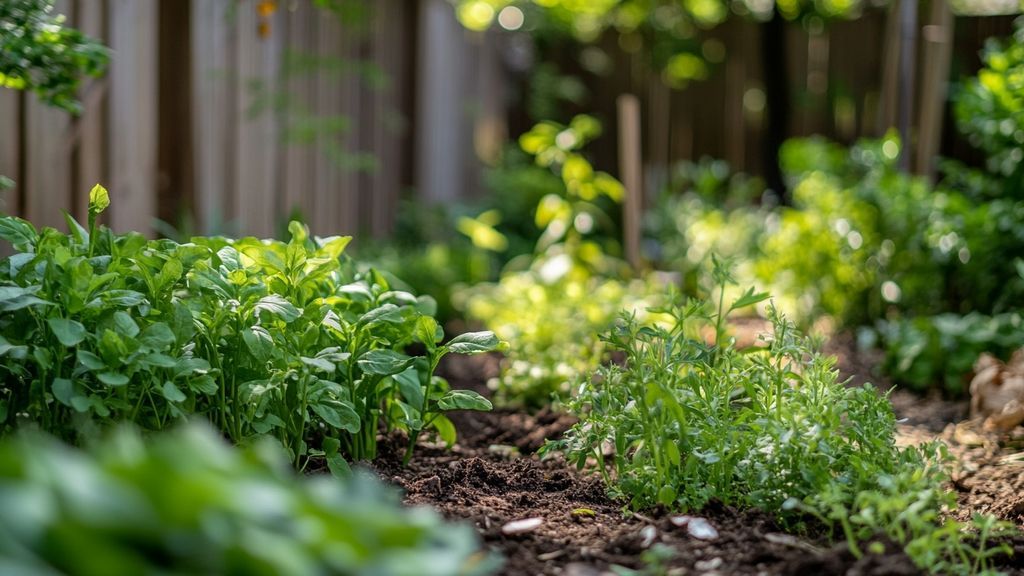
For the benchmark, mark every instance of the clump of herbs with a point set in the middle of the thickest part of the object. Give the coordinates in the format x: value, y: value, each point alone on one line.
x: 259, y: 337
x: 688, y: 420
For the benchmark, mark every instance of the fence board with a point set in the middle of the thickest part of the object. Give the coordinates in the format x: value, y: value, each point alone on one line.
x: 89, y: 146
x: 324, y: 222
x: 10, y: 148
x: 296, y: 178
x: 48, y: 165
x: 259, y: 60
x: 132, y: 123
x: 210, y: 116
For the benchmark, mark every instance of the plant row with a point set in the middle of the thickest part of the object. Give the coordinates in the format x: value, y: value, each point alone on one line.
x: 259, y: 337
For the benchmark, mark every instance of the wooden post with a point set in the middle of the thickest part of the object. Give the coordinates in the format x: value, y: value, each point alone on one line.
x: 10, y: 148
x: 630, y: 171
x: 938, y: 52
x: 908, y: 53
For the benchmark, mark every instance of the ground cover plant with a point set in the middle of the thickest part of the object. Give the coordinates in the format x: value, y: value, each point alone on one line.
x: 689, y: 420
x: 259, y: 337
x: 184, y: 502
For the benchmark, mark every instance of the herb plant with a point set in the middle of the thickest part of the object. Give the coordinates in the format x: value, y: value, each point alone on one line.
x: 184, y: 502
x: 260, y: 337
x: 689, y: 419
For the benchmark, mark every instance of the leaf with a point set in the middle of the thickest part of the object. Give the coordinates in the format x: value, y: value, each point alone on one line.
x: 125, y: 325
x: 338, y: 466
x: 112, y: 378
x: 20, y: 233
x: 428, y: 331
x: 63, y: 390
x: 205, y: 384
x: 158, y: 360
x: 259, y: 342
x: 321, y: 364
x: 80, y: 234
x: 386, y: 313
x: 474, y: 343
x: 90, y: 360
x: 157, y: 336
x: 279, y: 307
x: 749, y: 298
x: 81, y: 403
x: 384, y: 362
x: 463, y: 400
x: 172, y: 392
x: 99, y: 199
x: 123, y: 298
x: 409, y: 385
x: 445, y: 429
x: 68, y: 332
x: 15, y: 298
x: 338, y: 414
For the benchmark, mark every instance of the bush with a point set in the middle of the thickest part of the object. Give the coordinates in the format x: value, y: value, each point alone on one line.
x: 186, y: 503
x: 259, y: 337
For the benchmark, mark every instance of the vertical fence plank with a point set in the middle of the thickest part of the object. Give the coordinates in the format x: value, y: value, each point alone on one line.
x: 385, y: 185
x: 256, y: 117
x: 346, y: 200
x: 296, y: 177
x: 10, y: 148
x: 328, y: 146
x: 132, y: 122
x: 89, y: 148
x: 210, y: 113
x: 938, y: 52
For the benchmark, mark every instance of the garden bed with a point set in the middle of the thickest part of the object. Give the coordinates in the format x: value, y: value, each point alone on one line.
x: 492, y: 477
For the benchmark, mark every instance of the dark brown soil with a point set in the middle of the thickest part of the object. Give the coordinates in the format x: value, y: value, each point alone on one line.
x: 492, y: 477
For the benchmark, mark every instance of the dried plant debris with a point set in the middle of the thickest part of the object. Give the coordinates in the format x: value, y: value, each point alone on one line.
x: 997, y: 391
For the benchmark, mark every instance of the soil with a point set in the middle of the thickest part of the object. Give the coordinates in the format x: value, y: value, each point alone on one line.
x: 493, y: 479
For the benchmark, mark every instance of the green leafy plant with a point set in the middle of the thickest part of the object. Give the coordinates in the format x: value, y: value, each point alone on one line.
x: 39, y: 53
x: 927, y: 351
x: 260, y: 337
x: 184, y: 502
x: 689, y: 419
x: 989, y: 109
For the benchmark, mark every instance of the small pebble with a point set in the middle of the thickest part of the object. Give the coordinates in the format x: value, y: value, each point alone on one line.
x: 707, y: 565
x: 521, y: 526
x: 697, y: 527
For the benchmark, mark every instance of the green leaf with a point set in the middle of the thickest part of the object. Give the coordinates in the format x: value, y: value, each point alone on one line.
x: 749, y: 299
x: 338, y: 414
x: 278, y: 306
x: 463, y: 400
x: 384, y: 362
x: 428, y: 331
x: 157, y: 336
x: 122, y: 298
x: 321, y: 364
x: 90, y: 360
x: 666, y: 495
x: 474, y: 343
x: 339, y: 467
x: 159, y: 360
x: 112, y: 378
x: 63, y: 390
x: 99, y: 200
x: 172, y: 392
x: 20, y: 233
x: 445, y: 429
x: 15, y: 298
x: 259, y: 342
x: 205, y: 384
x: 68, y: 332
x: 125, y: 325
x: 81, y: 403
x: 409, y: 385
x: 80, y: 234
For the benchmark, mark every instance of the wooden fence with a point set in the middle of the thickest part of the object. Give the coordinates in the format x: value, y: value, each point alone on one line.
x: 214, y: 117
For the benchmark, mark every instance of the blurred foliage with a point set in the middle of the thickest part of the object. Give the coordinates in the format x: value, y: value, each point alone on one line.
x: 930, y: 351
x: 39, y: 53
x: 666, y: 34
x: 184, y: 502
x: 990, y: 110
